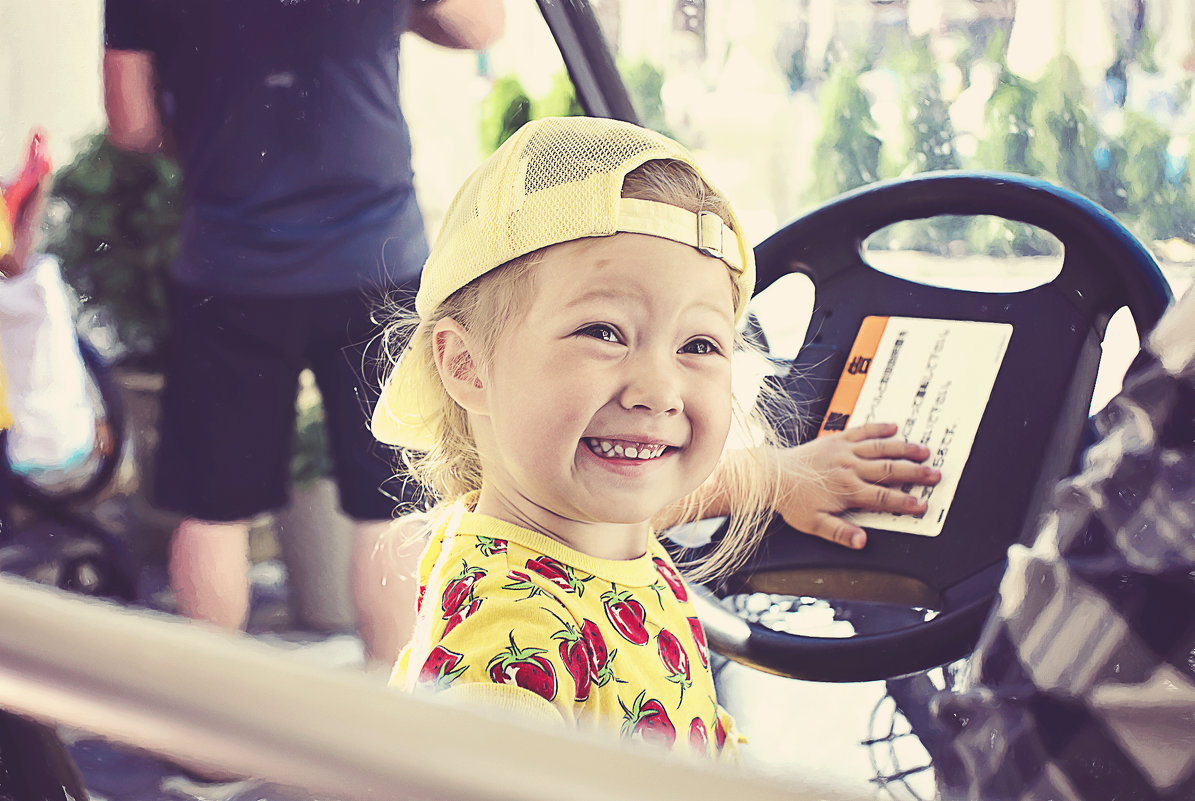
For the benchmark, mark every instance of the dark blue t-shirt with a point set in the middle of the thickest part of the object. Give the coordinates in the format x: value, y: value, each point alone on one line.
x: 296, y: 157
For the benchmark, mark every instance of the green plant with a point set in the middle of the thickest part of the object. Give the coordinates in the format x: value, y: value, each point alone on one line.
x: 310, y: 457
x: 1065, y: 134
x: 561, y: 99
x: 644, y: 83
x: 1008, y: 146
x: 1157, y: 193
x: 846, y: 154
x: 1007, y: 142
x: 926, y: 145
x: 925, y: 113
x: 118, y: 236
x: 505, y: 109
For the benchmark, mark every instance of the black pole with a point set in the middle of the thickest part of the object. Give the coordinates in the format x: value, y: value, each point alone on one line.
x: 587, y: 57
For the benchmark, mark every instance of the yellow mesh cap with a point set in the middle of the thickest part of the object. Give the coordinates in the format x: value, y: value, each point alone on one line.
x: 553, y: 181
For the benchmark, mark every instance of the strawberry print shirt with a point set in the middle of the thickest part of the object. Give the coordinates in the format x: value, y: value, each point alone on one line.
x: 514, y: 620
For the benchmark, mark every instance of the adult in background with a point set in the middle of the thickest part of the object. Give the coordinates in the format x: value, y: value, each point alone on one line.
x: 300, y: 213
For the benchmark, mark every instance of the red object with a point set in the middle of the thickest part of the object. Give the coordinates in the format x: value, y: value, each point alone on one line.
x: 699, y: 737
x: 626, y: 615
x: 671, y: 579
x: 37, y: 166
x: 526, y: 668
x: 578, y: 661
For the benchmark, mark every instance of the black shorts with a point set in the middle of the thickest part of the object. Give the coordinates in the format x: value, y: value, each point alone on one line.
x: 228, y: 408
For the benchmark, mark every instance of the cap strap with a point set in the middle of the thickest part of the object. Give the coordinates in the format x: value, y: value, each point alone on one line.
x: 705, y: 231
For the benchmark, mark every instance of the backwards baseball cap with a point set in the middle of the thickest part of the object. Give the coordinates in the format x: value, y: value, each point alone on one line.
x: 553, y: 181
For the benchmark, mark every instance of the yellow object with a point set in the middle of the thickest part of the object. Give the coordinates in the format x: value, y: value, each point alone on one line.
x: 555, y: 180
x: 514, y: 621
x: 5, y: 415
x: 6, y: 239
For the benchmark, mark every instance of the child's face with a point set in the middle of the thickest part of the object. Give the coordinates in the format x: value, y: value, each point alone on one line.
x: 611, y: 398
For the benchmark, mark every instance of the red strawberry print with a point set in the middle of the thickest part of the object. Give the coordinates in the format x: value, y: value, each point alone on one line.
x: 526, y: 668
x: 675, y: 660
x: 719, y: 733
x: 459, y: 589
x: 671, y: 578
x: 560, y: 575
x: 646, y: 720
x: 600, y: 659
x: 491, y: 545
x: 626, y: 615
x: 699, y: 739
x: 519, y: 581
x: 460, y: 615
x: 703, y: 650
x: 574, y: 652
x: 419, y: 598
x: 441, y: 667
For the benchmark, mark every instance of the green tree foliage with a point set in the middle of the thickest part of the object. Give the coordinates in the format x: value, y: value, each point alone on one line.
x: 561, y: 99
x: 644, y: 82
x: 1007, y: 145
x: 1158, y: 198
x: 847, y: 152
x: 1065, y: 136
x: 1007, y: 142
x: 926, y: 116
x: 505, y: 109
x: 119, y: 235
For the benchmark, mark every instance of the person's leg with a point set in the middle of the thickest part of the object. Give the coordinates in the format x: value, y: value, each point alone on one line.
x: 385, y: 558
x: 226, y: 430
x: 209, y: 569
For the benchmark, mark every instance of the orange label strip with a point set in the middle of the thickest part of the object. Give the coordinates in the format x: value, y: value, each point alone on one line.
x: 854, y: 373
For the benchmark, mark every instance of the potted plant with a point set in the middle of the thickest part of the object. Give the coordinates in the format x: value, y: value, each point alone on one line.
x: 315, y: 538
x: 118, y: 216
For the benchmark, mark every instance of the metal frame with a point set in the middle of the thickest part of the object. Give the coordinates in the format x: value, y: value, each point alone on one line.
x: 235, y: 704
x: 600, y: 89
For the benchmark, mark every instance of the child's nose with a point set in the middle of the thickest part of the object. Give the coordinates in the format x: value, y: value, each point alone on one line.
x: 653, y: 384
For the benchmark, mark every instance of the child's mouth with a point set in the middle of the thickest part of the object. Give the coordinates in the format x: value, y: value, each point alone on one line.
x: 611, y: 449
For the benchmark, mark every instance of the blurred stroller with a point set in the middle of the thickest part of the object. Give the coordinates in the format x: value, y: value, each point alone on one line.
x: 61, y: 418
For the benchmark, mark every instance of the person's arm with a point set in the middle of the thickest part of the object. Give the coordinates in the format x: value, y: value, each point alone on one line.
x: 823, y: 478
x: 130, y: 101
x: 462, y: 24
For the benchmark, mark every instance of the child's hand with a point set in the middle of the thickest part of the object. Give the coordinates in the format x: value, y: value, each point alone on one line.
x: 855, y: 469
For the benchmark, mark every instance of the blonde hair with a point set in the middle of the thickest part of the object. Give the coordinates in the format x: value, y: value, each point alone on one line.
x: 749, y: 482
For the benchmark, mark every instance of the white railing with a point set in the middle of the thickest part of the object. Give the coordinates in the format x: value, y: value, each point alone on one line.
x: 201, y: 695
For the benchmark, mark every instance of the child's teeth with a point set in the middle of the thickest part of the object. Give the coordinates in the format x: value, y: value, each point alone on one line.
x: 619, y: 451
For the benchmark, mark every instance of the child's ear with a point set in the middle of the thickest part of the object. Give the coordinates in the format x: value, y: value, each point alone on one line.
x: 453, y: 347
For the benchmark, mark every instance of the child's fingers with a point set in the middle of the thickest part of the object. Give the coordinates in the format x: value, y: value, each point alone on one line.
x: 837, y: 530
x: 892, y: 448
x: 870, y: 431
x: 879, y: 498
x: 897, y: 471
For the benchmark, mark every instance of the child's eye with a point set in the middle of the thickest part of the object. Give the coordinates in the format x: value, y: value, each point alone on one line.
x: 601, y: 331
x: 700, y: 347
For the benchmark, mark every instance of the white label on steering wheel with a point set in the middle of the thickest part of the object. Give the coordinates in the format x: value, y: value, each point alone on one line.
x: 931, y: 377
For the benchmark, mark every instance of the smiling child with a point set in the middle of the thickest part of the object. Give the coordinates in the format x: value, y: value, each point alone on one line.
x: 568, y: 382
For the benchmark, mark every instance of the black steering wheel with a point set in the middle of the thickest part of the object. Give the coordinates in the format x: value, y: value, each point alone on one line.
x: 1027, y: 440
